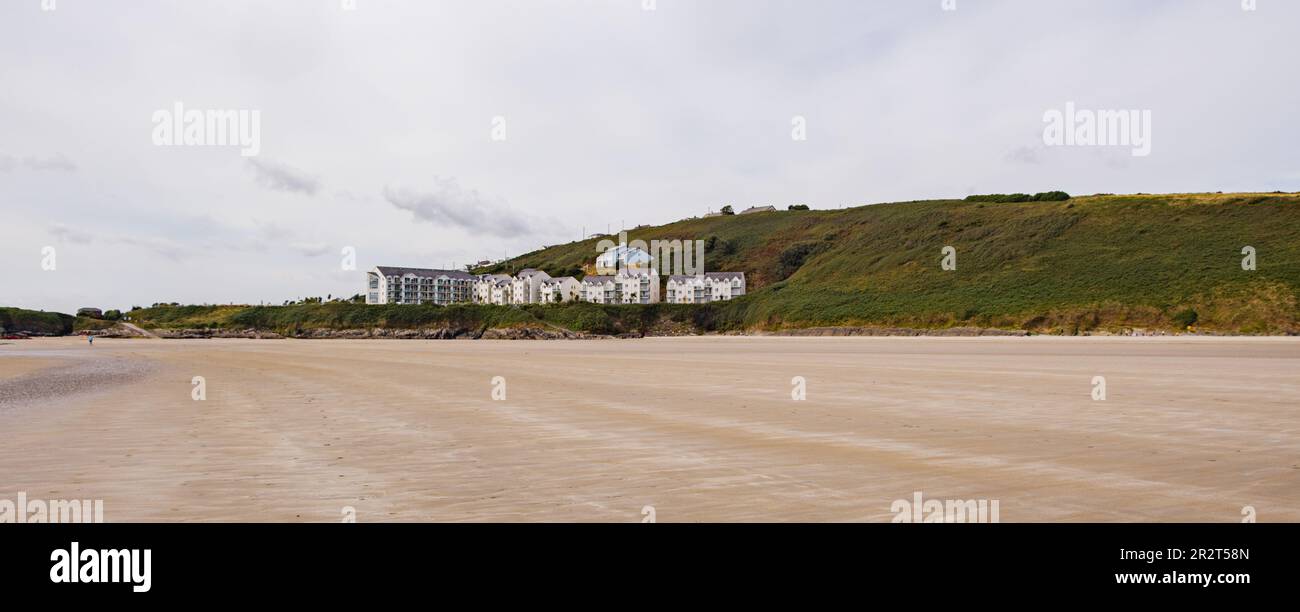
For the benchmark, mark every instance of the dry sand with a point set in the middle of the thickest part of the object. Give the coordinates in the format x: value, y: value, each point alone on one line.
x: 703, y: 429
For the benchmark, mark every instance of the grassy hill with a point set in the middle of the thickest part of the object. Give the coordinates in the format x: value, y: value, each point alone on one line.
x: 38, y: 322
x: 1095, y: 262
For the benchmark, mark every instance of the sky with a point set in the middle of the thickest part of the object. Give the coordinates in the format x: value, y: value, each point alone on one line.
x: 431, y: 133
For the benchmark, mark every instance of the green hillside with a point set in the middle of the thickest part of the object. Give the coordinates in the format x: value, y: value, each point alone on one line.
x: 37, y: 322
x: 1096, y: 262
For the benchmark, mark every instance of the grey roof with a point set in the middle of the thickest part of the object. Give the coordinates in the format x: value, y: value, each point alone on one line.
x: 424, y: 272
x: 527, y: 272
x: 725, y: 275
x: 713, y: 275
x: 494, y: 277
x: 637, y: 272
x: 557, y: 279
x: 597, y: 279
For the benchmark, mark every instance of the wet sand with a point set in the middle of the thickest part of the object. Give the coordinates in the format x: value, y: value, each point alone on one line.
x: 702, y: 429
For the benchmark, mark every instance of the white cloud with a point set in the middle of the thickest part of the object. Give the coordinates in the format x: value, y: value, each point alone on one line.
x: 311, y: 249
x: 56, y: 163
x: 282, y: 177
x: 449, y: 205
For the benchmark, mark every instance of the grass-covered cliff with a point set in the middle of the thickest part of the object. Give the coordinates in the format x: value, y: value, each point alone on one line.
x: 1095, y: 262
x: 36, y: 322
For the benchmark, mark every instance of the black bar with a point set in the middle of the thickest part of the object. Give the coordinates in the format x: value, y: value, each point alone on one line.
x: 328, y: 560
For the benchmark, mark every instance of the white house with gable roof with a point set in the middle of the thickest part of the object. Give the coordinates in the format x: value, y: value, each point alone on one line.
x: 638, y: 286
x: 600, y: 289
x: 561, y: 289
x: 527, y: 286
x: 484, y: 285
x: 704, y: 288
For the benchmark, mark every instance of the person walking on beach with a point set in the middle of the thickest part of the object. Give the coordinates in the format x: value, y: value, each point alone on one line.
x: 91, y: 339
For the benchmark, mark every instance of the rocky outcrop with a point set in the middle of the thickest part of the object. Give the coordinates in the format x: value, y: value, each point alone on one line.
x: 899, y: 331
x: 439, y: 333
x: 545, y: 333
x: 530, y: 333
x: 190, y: 334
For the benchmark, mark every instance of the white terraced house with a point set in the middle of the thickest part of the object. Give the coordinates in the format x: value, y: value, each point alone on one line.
x: 503, y: 292
x: 527, y: 288
x: 391, y: 285
x: 600, y: 290
x: 561, y: 289
x: 709, y: 287
x: 638, y: 286
x: 626, y: 287
x: 484, y: 285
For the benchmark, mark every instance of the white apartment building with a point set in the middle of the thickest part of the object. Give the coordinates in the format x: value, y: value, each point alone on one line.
x: 627, y: 287
x: 708, y: 287
x: 484, y: 285
x: 600, y: 290
x: 561, y: 289
x: 638, y: 286
x: 503, y: 292
x: 527, y: 286
x: 686, y: 289
x: 393, y: 285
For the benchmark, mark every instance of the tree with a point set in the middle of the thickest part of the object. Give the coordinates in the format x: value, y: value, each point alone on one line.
x: 726, y: 210
x: 798, y: 207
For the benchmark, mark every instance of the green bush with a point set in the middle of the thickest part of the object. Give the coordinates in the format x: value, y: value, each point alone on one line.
x: 1000, y: 198
x: 1185, y: 318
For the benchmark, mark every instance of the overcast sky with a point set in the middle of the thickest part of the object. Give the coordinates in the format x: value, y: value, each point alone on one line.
x: 377, y: 124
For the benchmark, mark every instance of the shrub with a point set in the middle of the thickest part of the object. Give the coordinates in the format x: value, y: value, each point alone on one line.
x: 1185, y: 318
x: 1046, y: 196
x: 722, y: 247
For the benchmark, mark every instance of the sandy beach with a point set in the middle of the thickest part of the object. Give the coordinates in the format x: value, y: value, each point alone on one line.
x: 702, y: 429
